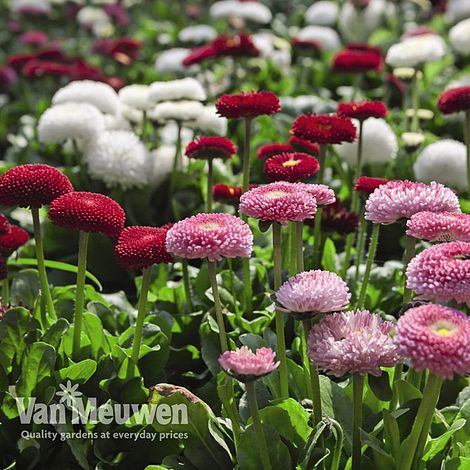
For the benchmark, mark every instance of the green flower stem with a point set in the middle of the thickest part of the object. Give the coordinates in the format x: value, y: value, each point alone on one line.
x: 335, y: 461
x: 358, y: 387
x: 415, y: 102
x: 177, y: 160
x: 258, y: 427
x: 80, y: 292
x: 217, y: 305
x: 143, y: 130
x: 248, y: 290
x: 281, y: 340
x: 42, y: 269
x: 210, y: 173
x: 186, y: 284
x: 396, y: 377
x: 232, y: 286
x: 5, y: 292
x: 361, y: 241
x: 422, y: 423
x: 370, y: 259
x: 313, y: 386
x: 299, y: 229
x: 467, y: 143
x: 292, y: 249
x: 139, y: 325
x: 409, y: 253
x: 317, y: 236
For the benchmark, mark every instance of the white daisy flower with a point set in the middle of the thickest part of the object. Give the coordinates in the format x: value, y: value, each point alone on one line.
x: 89, y: 17
x: 182, y: 111
x: 457, y: 10
x: 70, y: 121
x: 98, y: 94
x: 459, y: 37
x: 197, y: 34
x: 185, y: 89
x: 171, y: 60
x: 136, y: 96
x: 322, y: 13
x: 209, y: 122
x: 327, y: 37
x: 444, y: 161
x: 116, y: 123
x: 248, y: 10
x: 119, y: 158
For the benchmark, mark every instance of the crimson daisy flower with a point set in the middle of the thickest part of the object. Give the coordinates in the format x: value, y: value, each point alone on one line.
x: 12, y: 240
x: 292, y: 167
x: 226, y: 193
x: 324, y: 129
x: 367, y: 185
x: 269, y: 150
x: 4, y: 224
x: 454, y: 100
x: 336, y: 218
x: 248, y: 105
x: 239, y: 45
x: 207, y: 147
x: 302, y: 145
x: 199, y: 55
x: 305, y: 46
x: 362, y: 110
x: 357, y: 60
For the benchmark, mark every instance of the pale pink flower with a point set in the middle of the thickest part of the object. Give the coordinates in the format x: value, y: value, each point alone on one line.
x: 439, y: 226
x: 322, y: 193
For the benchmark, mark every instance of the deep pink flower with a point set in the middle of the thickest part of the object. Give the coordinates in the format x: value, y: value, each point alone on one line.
x: 302, y: 145
x: 441, y: 273
x: 33, y: 38
x: 291, y: 166
x: 269, y: 150
x: 401, y: 199
x: 8, y: 77
x: 247, y: 366
x: 248, y: 105
x: 278, y: 202
x: 437, y: 338
x: 211, y: 236
x: 208, y: 147
x: 367, y: 184
x: 439, y: 226
x: 352, y: 342
x: 313, y: 292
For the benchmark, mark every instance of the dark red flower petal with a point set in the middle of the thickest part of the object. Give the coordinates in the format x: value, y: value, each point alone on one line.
x: 269, y: 150
x: 32, y: 185
x: 367, y: 185
x: 39, y: 68
x: 324, y: 129
x: 211, y: 147
x: 292, y: 167
x: 223, y: 192
x: 248, y: 104
x: 240, y: 45
x: 141, y: 247
x: 336, y: 218
x: 12, y: 240
x: 302, y: 145
x: 454, y: 100
x: 357, y: 60
x: 4, y: 224
x: 88, y: 212
x: 199, y: 55
x: 362, y: 110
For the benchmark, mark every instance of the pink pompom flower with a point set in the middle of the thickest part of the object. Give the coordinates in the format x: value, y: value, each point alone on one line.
x: 313, y: 292
x: 247, y: 366
x: 279, y: 202
x: 439, y: 226
x: 212, y: 236
x: 352, y: 342
x: 437, y: 338
x: 322, y: 193
x: 441, y: 273
x: 401, y: 199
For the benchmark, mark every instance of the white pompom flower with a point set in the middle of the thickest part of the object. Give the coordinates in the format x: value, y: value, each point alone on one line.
x: 39, y: 6
x: 98, y: 94
x: 379, y: 143
x: 416, y: 50
x: 248, y: 10
x: 119, y: 159
x: 182, y: 111
x: 443, y: 161
x: 209, y: 122
x: 457, y: 10
x: 116, y: 123
x: 136, y: 96
x: 172, y: 90
x: 163, y: 158
x: 89, y: 17
x: 171, y: 61
x: 322, y: 13
x: 459, y: 37
x: 66, y: 121
x: 327, y: 37
x: 197, y: 34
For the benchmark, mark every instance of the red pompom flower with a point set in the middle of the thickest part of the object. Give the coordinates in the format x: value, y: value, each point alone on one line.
x: 226, y: 193
x: 292, y: 167
x: 240, y: 45
x: 204, y: 148
x: 269, y: 150
x: 367, y: 185
x: 199, y: 55
x: 357, y: 59
x: 32, y: 185
x: 324, y: 129
x: 362, y: 110
x: 12, y: 240
x: 4, y: 224
x: 248, y: 104
x: 336, y: 218
x: 88, y: 212
x: 141, y: 247
x: 454, y: 100
x: 302, y: 145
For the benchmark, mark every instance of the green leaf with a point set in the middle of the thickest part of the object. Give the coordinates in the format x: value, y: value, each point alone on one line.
x: 328, y: 260
x: 70, y: 268
x: 436, y: 445
x: 391, y: 433
x: 54, y: 333
x: 25, y: 288
x: 380, y: 386
x: 406, y: 391
x: 79, y: 372
x: 264, y: 225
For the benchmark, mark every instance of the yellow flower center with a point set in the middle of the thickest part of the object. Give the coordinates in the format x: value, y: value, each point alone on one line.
x: 444, y: 328
x: 209, y: 225
x: 275, y: 194
x: 291, y: 163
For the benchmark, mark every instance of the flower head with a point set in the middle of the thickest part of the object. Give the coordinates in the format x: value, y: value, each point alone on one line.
x: 357, y: 61
x: 182, y: 111
x: 239, y: 45
x: 352, y: 342
x: 12, y: 240
x: 269, y: 150
x: 250, y: 10
x: 32, y: 185
x: 454, y: 100
x: 328, y: 38
x: 313, y: 292
x: 279, y: 202
x: 292, y: 166
x: 136, y: 96
x: 435, y: 337
x: 439, y: 226
x: 88, y: 212
x: 323, y: 194
x: 211, y: 236
x: 248, y: 105
x: 305, y: 146
x: 324, y: 129
x: 141, y: 247
x: 367, y: 184
x: 336, y: 218
x: 206, y: 148
x: 4, y: 224
x: 199, y: 55
x: 459, y: 37
x: 441, y: 273
x: 247, y: 366
x: 362, y: 110
x: 397, y: 200
x: 225, y: 193
x: 173, y: 90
